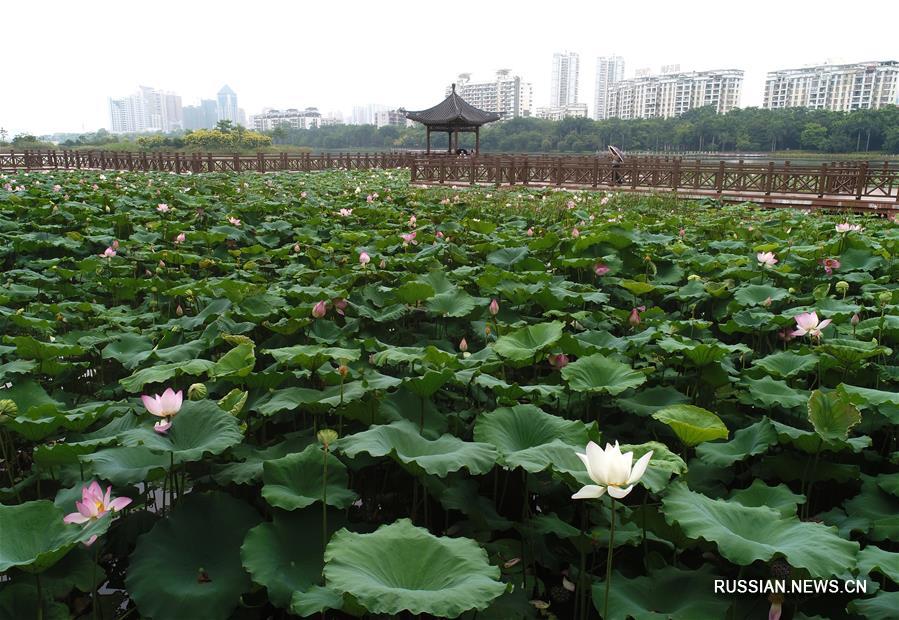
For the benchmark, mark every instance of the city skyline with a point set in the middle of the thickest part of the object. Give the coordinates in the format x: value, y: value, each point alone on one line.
x: 208, y: 56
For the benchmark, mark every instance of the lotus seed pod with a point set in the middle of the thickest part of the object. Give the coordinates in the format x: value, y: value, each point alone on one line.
x: 842, y: 287
x: 885, y: 297
x: 8, y: 407
x: 197, y: 391
x: 327, y: 436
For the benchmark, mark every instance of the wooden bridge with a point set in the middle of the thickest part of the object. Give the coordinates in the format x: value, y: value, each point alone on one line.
x: 855, y: 185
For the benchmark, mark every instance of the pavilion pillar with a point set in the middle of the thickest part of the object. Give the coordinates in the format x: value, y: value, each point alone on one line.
x: 477, y: 140
x: 429, y: 141
x: 449, y: 141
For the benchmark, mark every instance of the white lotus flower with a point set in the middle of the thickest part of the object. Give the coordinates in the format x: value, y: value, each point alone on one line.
x: 611, y: 470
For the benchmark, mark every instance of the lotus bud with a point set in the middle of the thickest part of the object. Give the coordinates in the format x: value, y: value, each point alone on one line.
x: 320, y: 309
x: 383, y: 263
x: 842, y: 287
x: 494, y: 307
x: 463, y: 345
x: 885, y: 297
x: 486, y: 330
x: 296, y: 248
x: 8, y: 407
x: 179, y: 311
x: 693, y: 277
x: 854, y: 320
x: 344, y: 370
x: 197, y: 391
x: 791, y: 290
x: 326, y: 437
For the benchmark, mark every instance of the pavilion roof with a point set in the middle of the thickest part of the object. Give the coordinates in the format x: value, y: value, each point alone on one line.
x: 453, y: 112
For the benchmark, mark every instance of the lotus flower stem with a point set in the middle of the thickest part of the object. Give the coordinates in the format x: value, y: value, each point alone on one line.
x: 605, y: 607
x: 325, y: 500
x: 40, y: 597
x: 94, y: 582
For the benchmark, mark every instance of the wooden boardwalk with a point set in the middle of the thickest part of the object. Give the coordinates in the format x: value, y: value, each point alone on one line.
x: 847, y: 185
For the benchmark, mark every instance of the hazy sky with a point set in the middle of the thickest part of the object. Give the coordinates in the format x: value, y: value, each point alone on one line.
x: 332, y: 55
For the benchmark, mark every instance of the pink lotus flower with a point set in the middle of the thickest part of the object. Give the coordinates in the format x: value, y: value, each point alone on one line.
x: 93, y: 505
x: 530, y: 232
x: 115, y: 244
x: 163, y: 426
x: 847, y: 227
x: 682, y: 233
x: 408, y: 238
x: 108, y: 253
x: 493, y: 308
x: 413, y: 221
x: 320, y: 309
x: 167, y: 405
x: 463, y: 345
x: 830, y: 264
x: 575, y: 233
x: 162, y: 207
x: 57, y: 188
x: 345, y: 212
x: 180, y: 238
x: 600, y: 269
x: 604, y: 201
x: 364, y: 258
x: 766, y: 258
x: 234, y: 221
x: 559, y: 361
x: 369, y: 198
x: 302, y: 194
x: 775, y: 611
x: 439, y: 234
x: 570, y: 204
x: 807, y: 323
x: 340, y: 305
x: 634, y: 318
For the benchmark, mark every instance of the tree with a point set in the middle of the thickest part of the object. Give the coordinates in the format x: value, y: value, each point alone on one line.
x: 224, y: 125
x: 814, y: 137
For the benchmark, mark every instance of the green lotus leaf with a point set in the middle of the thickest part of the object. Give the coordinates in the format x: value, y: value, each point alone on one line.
x: 201, y: 427
x: 779, y: 497
x: 129, y: 350
x: 315, y: 600
x: 297, y: 480
x: 884, y: 402
x: 456, y: 303
x: 238, y: 362
x: 692, y: 425
x: 753, y: 440
x: 400, y: 567
x: 745, y: 534
x: 872, y: 558
x: 768, y: 393
x: 875, y: 512
x: 528, y: 342
x: 635, y: 287
x: 402, y: 441
x: 35, y: 537
x: 881, y: 606
x: 832, y: 415
x: 20, y: 600
x: 413, y: 292
x: 598, y: 373
x: 851, y: 352
x: 285, y: 555
x: 163, y: 372
x: 786, y: 364
x: 123, y: 466
x: 311, y: 356
x: 520, y: 434
x: 188, y: 565
x: 646, y: 402
x: 507, y: 257
x: 663, y: 464
x: 662, y: 595
x: 755, y: 294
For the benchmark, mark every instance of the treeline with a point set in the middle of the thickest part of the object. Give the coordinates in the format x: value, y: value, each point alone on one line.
x: 748, y: 129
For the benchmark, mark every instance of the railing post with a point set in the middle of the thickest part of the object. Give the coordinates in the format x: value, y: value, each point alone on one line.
x: 675, y: 173
x: 283, y: 161
x: 442, y: 171
x: 861, y: 181
x: 559, y: 173
x: 822, y: 181
x: 414, y: 172
x: 769, y: 178
x: 236, y: 162
x: 471, y: 175
x: 177, y: 163
x: 719, y: 177
x: 595, y: 172
x: 260, y: 162
x: 634, y: 173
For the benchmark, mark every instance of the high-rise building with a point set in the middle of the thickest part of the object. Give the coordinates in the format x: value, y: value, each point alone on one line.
x: 366, y: 114
x: 508, y: 95
x: 148, y: 109
x: 227, y: 105
x: 843, y: 88
x: 564, y: 79
x: 203, y: 116
x: 394, y: 118
x: 673, y: 94
x: 291, y: 118
x: 557, y: 113
x: 609, y: 70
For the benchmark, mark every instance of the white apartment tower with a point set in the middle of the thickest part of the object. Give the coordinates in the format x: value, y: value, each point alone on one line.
x: 508, y: 95
x: 564, y: 79
x: 609, y: 70
x: 843, y: 88
x: 672, y: 94
x: 227, y: 105
x: 148, y: 109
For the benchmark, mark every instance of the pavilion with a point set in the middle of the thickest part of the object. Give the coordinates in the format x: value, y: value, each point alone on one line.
x: 454, y: 115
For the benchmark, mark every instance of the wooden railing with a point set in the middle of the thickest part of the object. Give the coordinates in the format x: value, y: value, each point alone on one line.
x: 835, y: 179
x: 877, y: 182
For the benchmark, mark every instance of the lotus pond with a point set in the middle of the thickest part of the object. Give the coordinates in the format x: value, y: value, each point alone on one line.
x: 337, y: 395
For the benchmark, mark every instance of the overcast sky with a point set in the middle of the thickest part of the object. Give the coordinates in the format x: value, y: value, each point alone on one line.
x: 332, y: 55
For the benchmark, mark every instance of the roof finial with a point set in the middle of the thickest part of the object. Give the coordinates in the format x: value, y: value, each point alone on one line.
x: 454, y: 87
